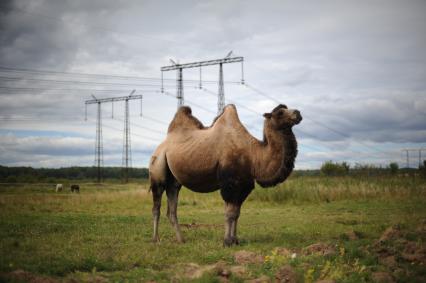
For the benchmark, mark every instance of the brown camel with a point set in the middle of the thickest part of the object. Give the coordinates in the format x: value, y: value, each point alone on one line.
x: 223, y: 156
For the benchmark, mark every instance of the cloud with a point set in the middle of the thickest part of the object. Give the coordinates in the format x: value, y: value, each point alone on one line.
x: 356, y: 67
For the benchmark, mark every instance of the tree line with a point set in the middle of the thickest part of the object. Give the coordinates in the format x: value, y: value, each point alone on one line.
x: 330, y: 168
x: 48, y: 175
x: 53, y: 175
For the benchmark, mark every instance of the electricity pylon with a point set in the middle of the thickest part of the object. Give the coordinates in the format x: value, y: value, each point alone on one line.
x: 407, y: 155
x: 126, y: 160
x: 220, y: 62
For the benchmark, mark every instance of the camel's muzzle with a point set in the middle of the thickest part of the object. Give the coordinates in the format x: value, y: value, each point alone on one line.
x: 297, y: 118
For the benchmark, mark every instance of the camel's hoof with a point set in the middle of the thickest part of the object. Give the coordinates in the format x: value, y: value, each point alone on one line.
x: 236, y: 241
x: 156, y: 240
x: 227, y: 243
x: 230, y: 242
x: 181, y: 241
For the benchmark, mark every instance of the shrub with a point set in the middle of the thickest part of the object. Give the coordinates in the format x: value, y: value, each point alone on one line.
x: 422, y: 169
x: 393, y: 167
x: 330, y: 168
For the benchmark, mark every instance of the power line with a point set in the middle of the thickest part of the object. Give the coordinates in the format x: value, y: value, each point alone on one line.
x: 155, y: 120
x: 258, y: 113
x: 76, y: 82
x: 315, y: 121
x: 179, y: 74
x: 102, y: 76
x: 63, y: 89
x: 190, y: 102
x: 73, y: 119
x: 134, y: 134
x: 142, y: 127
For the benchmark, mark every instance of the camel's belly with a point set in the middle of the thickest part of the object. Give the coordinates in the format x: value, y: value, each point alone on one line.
x: 201, y: 181
x: 202, y: 188
x: 197, y: 173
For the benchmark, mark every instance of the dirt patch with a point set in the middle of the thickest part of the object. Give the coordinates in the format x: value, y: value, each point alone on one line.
x: 247, y: 257
x: 326, y: 281
x: 414, y: 252
x: 98, y: 279
x: 351, y: 235
x: 388, y: 261
x: 194, y: 225
x: 382, y: 277
x: 261, y: 279
x: 391, y: 233
x: 194, y: 271
x: 399, y: 272
x: 238, y: 270
x: 383, y: 251
x: 283, y: 251
x: 25, y: 276
x: 286, y: 274
x: 320, y: 248
x: 422, y: 226
x: 393, y: 249
x: 220, y: 269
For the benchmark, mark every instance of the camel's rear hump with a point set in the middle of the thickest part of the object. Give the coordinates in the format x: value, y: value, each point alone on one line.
x: 184, y: 120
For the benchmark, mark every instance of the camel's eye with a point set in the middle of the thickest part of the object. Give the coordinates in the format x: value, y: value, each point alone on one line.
x: 280, y: 113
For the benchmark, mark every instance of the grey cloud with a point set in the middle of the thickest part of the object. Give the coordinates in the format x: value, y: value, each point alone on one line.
x: 357, y: 67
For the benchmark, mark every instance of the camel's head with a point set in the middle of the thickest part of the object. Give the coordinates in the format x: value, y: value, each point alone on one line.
x: 282, y: 117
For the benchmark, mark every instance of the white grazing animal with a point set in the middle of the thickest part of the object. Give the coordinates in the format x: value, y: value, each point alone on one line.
x: 59, y: 188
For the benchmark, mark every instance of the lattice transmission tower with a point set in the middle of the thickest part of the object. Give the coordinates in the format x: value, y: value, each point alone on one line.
x: 407, y: 155
x: 126, y: 157
x: 221, y: 90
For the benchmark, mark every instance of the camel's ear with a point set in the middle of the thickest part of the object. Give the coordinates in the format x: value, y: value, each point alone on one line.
x: 267, y: 115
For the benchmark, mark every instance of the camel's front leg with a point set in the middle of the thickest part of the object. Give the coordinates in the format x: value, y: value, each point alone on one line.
x: 234, y: 227
x: 172, y: 202
x: 232, y: 212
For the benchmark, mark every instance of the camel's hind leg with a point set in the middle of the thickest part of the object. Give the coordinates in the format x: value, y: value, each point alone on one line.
x: 157, y: 193
x: 172, y: 192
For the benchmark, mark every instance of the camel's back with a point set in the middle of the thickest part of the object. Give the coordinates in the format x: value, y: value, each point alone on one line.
x: 226, y: 134
x: 196, y: 154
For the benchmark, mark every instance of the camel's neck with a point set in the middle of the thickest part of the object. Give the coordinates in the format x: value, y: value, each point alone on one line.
x: 275, y: 157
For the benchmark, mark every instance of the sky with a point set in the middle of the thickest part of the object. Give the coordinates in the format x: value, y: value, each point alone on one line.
x: 355, y: 69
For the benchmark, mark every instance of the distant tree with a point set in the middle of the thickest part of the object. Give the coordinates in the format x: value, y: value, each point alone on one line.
x: 393, y: 167
x: 346, y: 167
x: 422, y: 169
x: 330, y: 168
x: 11, y: 179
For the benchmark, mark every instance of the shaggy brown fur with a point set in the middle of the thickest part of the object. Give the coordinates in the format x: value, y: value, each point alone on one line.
x: 224, y: 156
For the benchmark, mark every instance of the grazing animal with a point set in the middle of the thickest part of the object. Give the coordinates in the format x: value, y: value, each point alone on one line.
x: 59, y: 188
x: 75, y: 189
x: 223, y: 156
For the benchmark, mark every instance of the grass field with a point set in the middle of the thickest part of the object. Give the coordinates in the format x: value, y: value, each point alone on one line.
x: 104, y: 233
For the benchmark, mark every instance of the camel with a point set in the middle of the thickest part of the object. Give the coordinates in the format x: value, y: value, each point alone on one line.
x: 223, y: 156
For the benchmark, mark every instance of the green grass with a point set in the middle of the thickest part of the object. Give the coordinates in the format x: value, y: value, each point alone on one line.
x: 106, y: 230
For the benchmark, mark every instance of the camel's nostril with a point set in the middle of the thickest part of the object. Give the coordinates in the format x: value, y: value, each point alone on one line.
x: 297, y: 116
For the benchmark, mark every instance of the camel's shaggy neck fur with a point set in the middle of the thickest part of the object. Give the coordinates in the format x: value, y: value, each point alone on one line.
x: 275, y: 156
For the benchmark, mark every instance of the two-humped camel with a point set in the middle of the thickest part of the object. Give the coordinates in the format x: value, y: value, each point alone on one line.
x: 223, y: 156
